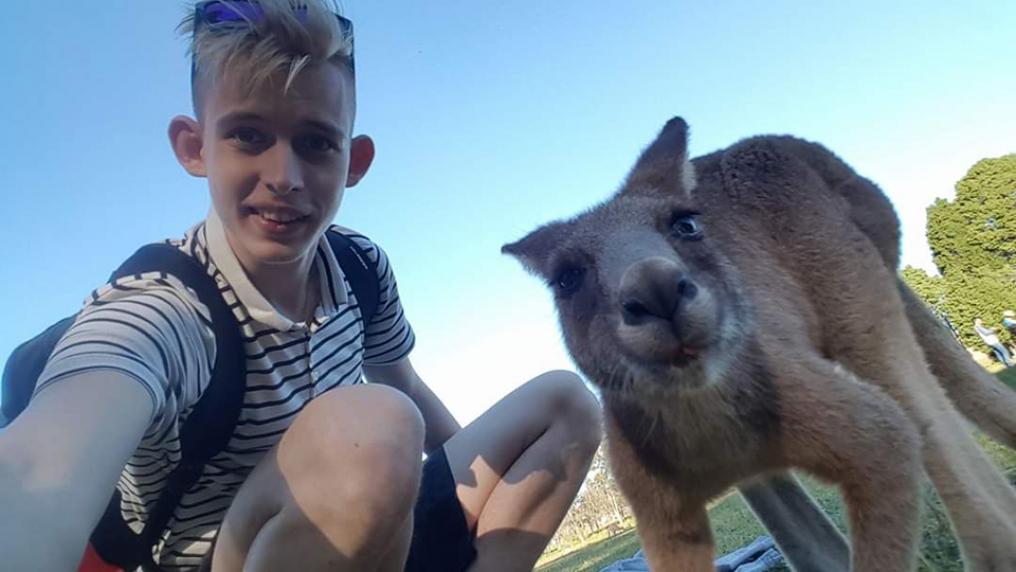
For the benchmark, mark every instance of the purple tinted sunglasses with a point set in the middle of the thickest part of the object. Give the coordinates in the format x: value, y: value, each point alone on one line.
x: 226, y: 12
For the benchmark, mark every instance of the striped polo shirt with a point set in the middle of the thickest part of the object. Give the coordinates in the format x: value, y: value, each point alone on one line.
x: 154, y: 329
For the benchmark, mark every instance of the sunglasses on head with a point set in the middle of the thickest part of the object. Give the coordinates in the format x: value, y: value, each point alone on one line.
x: 230, y: 12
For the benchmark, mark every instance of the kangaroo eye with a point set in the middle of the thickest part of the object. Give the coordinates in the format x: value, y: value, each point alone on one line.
x: 568, y: 280
x: 686, y: 226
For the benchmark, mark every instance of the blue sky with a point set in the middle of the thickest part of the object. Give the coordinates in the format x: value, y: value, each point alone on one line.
x: 489, y: 118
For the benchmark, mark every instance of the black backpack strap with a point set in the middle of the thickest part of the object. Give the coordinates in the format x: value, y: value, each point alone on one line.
x: 359, y: 270
x: 24, y: 366
x: 207, y: 429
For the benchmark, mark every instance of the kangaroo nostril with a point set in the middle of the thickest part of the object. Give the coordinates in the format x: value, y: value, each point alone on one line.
x: 686, y: 288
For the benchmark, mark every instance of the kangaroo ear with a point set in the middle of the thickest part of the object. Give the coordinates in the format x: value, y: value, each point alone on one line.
x: 664, y: 166
x: 534, y: 249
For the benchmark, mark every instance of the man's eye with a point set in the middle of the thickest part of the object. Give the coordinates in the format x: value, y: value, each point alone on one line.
x: 317, y: 144
x: 248, y: 136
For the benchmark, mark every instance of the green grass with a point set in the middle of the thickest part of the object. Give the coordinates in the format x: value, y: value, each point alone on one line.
x: 734, y: 525
x: 596, y: 555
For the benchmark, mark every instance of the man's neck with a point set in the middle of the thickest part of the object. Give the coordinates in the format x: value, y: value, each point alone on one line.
x: 292, y: 289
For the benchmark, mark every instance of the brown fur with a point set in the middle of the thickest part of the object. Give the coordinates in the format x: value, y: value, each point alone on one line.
x: 780, y: 338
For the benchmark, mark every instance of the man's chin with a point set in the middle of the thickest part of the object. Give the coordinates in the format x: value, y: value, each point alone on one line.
x: 274, y: 252
x: 279, y: 255
x: 285, y: 249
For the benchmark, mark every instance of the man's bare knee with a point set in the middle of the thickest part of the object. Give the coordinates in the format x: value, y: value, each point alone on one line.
x: 358, y: 415
x: 360, y: 449
x: 352, y: 457
x: 345, y: 473
x: 571, y: 405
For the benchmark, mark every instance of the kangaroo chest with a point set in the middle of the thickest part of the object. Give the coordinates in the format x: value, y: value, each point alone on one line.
x: 712, y: 437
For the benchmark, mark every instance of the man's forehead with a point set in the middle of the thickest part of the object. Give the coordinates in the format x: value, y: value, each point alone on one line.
x: 304, y: 117
x: 317, y: 93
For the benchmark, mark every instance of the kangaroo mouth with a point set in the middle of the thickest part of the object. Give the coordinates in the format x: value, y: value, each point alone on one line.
x: 662, y: 349
x: 685, y: 355
x: 668, y: 364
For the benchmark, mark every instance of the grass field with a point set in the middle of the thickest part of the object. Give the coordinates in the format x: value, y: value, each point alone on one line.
x: 734, y: 525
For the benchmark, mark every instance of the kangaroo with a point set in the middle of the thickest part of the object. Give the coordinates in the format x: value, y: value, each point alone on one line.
x: 741, y: 316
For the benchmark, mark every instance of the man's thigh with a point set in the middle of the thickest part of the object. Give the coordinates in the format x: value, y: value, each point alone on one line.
x: 481, y: 453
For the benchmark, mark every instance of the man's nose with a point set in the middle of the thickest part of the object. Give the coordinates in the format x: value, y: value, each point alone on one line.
x: 283, y: 172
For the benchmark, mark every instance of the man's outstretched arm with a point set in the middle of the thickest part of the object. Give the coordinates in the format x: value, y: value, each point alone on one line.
x: 59, y: 462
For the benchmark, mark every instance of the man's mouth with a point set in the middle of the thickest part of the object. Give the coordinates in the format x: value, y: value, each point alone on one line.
x: 278, y: 219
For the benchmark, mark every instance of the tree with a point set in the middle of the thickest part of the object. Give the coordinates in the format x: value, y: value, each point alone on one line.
x: 602, y: 491
x: 929, y: 288
x: 598, y: 504
x: 976, y: 230
x: 981, y: 293
x: 973, y: 244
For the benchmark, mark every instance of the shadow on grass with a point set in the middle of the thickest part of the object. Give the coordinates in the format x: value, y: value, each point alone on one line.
x: 596, y: 555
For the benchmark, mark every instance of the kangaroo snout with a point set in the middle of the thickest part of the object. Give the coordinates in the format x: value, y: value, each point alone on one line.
x: 666, y: 317
x: 654, y: 289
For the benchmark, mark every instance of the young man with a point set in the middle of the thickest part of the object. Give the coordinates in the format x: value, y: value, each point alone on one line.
x: 1009, y: 322
x: 322, y: 472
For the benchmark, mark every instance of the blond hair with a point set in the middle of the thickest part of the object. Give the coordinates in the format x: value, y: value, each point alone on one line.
x: 290, y: 35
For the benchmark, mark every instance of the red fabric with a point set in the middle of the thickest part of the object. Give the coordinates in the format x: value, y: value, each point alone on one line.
x: 91, y: 562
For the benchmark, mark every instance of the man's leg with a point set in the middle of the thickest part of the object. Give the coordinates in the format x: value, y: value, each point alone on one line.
x: 1001, y: 354
x: 1006, y: 356
x: 336, y: 493
x: 519, y: 466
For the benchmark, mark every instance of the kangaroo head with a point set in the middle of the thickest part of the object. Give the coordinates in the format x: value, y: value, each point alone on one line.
x: 646, y: 302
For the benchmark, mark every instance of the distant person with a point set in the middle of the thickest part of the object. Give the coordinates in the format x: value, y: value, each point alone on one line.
x: 321, y: 471
x: 989, y: 338
x: 1009, y: 321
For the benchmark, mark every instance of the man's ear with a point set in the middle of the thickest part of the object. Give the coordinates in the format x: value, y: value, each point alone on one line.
x: 361, y: 155
x: 185, y: 137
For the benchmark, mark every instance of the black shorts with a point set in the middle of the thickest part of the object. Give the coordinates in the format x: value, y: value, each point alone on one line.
x: 441, y: 540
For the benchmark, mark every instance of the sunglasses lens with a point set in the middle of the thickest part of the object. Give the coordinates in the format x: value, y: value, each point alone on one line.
x: 218, y: 12
x: 231, y: 12
x: 346, y: 26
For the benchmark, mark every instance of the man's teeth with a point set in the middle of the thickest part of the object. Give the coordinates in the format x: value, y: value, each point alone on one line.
x: 277, y: 217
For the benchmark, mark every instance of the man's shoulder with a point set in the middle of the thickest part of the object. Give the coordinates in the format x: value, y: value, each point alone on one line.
x: 157, y: 282
x: 360, y: 238
x: 371, y: 248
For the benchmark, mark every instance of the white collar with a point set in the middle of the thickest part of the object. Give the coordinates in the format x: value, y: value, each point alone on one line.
x: 257, y: 305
